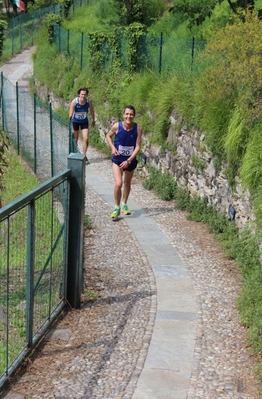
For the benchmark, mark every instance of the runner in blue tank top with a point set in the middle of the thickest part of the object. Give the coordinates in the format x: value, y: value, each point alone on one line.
x: 78, y: 113
x: 127, y: 143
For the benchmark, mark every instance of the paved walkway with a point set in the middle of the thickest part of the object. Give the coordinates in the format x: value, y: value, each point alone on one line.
x: 168, y: 367
x: 165, y: 323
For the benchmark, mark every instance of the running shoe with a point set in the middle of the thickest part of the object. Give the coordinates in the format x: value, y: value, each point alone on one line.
x: 115, y: 213
x: 125, y: 210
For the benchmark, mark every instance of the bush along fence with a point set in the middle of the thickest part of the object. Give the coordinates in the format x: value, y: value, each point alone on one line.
x: 135, y: 50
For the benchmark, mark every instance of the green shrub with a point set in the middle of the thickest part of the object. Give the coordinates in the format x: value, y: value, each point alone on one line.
x: 162, y: 183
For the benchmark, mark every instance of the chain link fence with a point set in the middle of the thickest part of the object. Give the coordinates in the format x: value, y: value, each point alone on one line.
x: 160, y: 54
x: 42, y: 137
x: 25, y: 28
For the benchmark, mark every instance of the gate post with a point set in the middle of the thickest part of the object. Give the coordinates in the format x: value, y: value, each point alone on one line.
x: 76, y: 162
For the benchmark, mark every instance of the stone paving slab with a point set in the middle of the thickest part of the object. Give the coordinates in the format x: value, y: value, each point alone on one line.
x: 172, y: 345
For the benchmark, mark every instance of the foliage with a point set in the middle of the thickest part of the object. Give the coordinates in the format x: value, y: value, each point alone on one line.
x: 36, y: 4
x: 3, y: 162
x: 235, y: 53
x: 162, y: 183
x: 140, y: 11
x: 251, y: 172
x: 196, y: 11
x: 95, y: 141
x: 50, y: 21
x: 133, y: 32
x: 230, y: 97
x: 198, y: 163
x: 3, y: 26
x: 17, y: 183
x: 95, y: 46
x: 90, y: 295
x: 55, y: 70
x: 67, y: 5
x: 87, y: 222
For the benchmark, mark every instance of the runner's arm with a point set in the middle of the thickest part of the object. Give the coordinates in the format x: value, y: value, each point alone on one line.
x: 109, y: 138
x: 72, y: 109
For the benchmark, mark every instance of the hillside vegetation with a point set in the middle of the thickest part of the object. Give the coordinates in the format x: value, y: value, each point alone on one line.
x: 221, y: 97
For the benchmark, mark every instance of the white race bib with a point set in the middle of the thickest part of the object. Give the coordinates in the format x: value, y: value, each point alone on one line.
x: 80, y: 115
x: 126, y: 151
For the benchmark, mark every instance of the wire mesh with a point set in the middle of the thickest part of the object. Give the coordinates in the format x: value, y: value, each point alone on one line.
x: 33, y: 264
x: 41, y: 136
x: 13, y: 244
x: 49, y: 273
x: 161, y: 54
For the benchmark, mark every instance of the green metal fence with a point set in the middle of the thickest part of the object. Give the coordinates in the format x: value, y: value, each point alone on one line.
x: 25, y: 28
x: 33, y: 268
x: 160, y: 54
x: 41, y: 136
x: 41, y: 261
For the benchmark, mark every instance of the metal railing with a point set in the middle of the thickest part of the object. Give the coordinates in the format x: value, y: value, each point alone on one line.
x: 41, y: 261
x: 33, y: 268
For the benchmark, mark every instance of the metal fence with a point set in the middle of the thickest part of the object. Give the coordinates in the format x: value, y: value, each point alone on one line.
x: 41, y: 261
x: 35, y: 245
x: 33, y: 268
x: 41, y: 136
x: 25, y: 28
x: 160, y: 54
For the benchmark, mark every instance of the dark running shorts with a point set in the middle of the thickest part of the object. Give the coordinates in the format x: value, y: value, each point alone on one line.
x: 131, y: 167
x: 77, y: 125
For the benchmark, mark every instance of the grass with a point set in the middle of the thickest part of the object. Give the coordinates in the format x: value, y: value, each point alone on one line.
x: 18, y: 179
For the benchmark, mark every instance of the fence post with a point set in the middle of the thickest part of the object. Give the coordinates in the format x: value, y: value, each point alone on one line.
x: 82, y: 45
x: 51, y: 139
x: 192, y: 52
x: 35, y: 160
x: 70, y: 146
x: 59, y: 39
x: 2, y: 100
x: 160, y: 53
x: 13, y: 34
x: 76, y: 163
x: 20, y: 32
x: 30, y: 273
x: 17, y: 119
x: 32, y: 22
x: 68, y: 33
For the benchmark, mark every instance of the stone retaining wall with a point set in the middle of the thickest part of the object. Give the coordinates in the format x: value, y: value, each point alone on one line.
x: 191, y: 164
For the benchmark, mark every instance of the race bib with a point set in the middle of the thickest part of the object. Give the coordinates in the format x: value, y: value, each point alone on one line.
x: 80, y: 115
x: 126, y: 151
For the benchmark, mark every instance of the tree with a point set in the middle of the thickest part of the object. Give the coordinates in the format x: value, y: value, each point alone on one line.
x: 196, y: 11
x: 141, y: 11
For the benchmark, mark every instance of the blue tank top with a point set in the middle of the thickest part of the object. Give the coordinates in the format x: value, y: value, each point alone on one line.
x: 125, y: 142
x: 80, y: 113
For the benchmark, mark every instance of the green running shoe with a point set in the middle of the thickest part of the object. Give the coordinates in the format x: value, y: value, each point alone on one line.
x: 115, y: 213
x: 125, y: 210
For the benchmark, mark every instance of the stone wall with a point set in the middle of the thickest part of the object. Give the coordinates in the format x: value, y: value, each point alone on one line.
x: 191, y: 164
